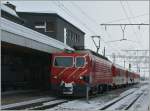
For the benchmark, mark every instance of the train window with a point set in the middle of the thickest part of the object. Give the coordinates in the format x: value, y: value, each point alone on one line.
x: 63, y: 61
x: 80, y: 61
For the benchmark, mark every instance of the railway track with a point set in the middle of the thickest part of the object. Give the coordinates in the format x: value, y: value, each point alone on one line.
x: 48, y: 105
x: 112, y: 103
x: 122, y: 103
x: 37, y: 104
x: 130, y: 105
x: 50, y: 102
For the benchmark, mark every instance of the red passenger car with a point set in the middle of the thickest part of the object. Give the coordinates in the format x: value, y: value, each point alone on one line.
x: 72, y: 72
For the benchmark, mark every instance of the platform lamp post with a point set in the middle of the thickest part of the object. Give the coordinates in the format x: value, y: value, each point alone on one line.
x: 87, y: 80
x: 96, y: 45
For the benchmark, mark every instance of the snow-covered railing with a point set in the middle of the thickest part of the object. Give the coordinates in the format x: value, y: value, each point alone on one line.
x: 18, y: 29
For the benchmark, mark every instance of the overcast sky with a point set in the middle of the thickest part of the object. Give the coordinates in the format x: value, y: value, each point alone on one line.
x: 88, y: 15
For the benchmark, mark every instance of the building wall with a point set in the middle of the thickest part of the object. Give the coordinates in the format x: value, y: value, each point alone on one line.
x: 33, y: 19
x: 75, y: 37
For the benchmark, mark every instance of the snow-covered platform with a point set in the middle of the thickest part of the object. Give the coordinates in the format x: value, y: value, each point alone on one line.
x: 95, y: 104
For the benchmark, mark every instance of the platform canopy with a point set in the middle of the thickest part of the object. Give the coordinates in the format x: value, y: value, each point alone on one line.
x: 19, y: 35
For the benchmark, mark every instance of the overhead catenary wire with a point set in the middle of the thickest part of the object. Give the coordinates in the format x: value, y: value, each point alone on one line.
x: 80, y: 20
x: 109, y: 36
x: 128, y: 19
x: 126, y: 24
x: 124, y: 10
x: 67, y: 11
x: 132, y: 14
x: 85, y: 14
x: 92, y: 20
x: 72, y: 15
x: 123, y: 19
x: 95, y: 22
x: 132, y: 24
x: 108, y: 42
x: 126, y: 15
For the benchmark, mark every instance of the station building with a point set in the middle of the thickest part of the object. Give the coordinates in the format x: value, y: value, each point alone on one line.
x: 55, y: 26
x: 27, y: 42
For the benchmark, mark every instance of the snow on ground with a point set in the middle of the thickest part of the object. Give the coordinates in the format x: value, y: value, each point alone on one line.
x: 127, y: 100
x: 81, y: 104
x: 96, y: 102
x: 142, y: 103
x: 26, y: 102
x: 127, y: 92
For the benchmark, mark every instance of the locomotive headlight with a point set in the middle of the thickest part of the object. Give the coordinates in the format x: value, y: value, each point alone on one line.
x: 55, y: 77
x: 81, y: 77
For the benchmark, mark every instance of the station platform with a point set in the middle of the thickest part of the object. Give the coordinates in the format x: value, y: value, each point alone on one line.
x: 11, y: 97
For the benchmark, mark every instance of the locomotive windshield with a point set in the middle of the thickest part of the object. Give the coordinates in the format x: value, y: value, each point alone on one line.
x: 80, y: 61
x: 63, y: 61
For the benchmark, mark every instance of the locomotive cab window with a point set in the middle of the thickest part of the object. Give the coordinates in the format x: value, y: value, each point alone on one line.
x: 80, y: 61
x: 63, y: 61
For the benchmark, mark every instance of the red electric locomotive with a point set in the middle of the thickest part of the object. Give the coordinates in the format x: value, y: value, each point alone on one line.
x: 71, y: 72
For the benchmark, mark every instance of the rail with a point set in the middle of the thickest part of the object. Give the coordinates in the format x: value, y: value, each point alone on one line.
x: 112, y: 103
x: 126, y: 105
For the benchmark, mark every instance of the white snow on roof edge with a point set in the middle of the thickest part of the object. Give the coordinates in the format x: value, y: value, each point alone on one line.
x: 8, y: 10
x: 31, y: 34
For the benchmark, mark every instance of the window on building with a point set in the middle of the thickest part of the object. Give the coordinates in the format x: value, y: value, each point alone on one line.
x: 69, y: 34
x: 72, y: 38
x: 50, y: 27
x: 76, y: 37
x: 40, y: 25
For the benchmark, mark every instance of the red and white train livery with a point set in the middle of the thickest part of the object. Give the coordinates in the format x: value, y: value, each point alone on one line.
x: 71, y: 72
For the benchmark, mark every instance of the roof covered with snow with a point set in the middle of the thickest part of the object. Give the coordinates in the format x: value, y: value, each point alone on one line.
x: 53, y: 13
x: 25, y: 32
x: 8, y: 10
